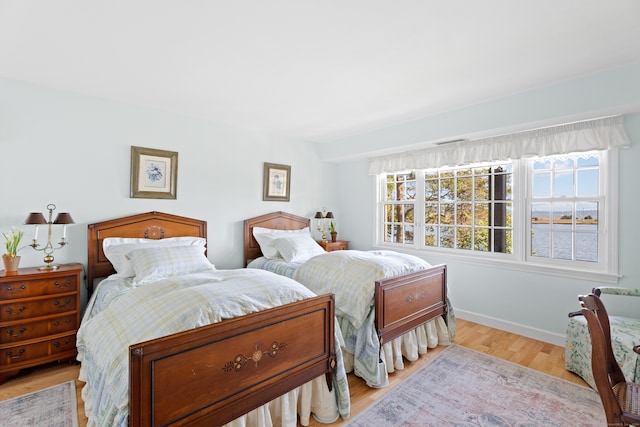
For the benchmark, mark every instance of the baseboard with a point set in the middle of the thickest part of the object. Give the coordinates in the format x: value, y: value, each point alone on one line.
x: 516, y: 328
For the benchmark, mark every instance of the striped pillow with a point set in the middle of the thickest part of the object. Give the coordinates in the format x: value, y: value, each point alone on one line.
x: 159, y: 262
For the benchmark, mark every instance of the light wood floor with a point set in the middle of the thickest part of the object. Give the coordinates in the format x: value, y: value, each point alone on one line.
x: 534, y: 354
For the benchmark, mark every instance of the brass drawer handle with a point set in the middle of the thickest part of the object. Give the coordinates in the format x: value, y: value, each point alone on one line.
x: 19, y: 312
x: 57, y: 322
x: 16, y: 291
x: 64, y: 285
x: 56, y: 344
x: 11, y: 333
x: 17, y: 356
x: 66, y: 303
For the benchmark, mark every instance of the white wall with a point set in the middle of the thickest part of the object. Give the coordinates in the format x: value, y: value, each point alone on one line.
x: 535, y: 305
x: 74, y: 151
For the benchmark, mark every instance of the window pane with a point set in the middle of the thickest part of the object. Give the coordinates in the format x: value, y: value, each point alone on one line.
x: 563, y: 184
x: 481, y: 214
x: 447, y: 189
x: 542, y: 164
x: 587, y: 215
x: 464, y: 189
x: 408, y: 213
x: 541, y: 184
x: 431, y: 213
x: 592, y: 160
x: 587, y: 247
x: 588, y: 182
x: 481, y: 240
x: 410, y: 191
x: 447, y: 213
x: 464, y: 238
x: 540, y: 241
x: 431, y: 190
x: 482, y: 187
x: 464, y: 214
x: 447, y: 237
x: 562, y: 245
x: 408, y: 234
x: 431, y: 236
x: 562, y: 215
x: 540, y: 213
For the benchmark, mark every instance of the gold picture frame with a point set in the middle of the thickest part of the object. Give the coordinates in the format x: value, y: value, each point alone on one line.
x: 276, y: 182
x: 154, y: 173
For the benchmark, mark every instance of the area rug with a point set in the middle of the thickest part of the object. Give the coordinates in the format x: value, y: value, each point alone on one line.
x: 463, y: 387
x: 55, y: 406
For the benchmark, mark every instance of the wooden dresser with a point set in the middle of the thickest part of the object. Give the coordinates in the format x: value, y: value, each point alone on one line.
x: 39, y: 317
x: 338, y: 245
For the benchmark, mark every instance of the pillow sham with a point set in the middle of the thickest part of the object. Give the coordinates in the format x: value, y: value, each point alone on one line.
x: 116, y: 249
x: 165, y: 261
x: 267, y: 236
x: 297, y: 249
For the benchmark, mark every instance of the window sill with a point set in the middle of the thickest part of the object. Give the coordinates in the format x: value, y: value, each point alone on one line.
x: 437, y: 257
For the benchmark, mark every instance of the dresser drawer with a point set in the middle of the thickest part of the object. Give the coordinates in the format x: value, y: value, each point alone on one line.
x: 20, y: 310
x: 21, y: 354
x: 41, y: 328
x: 36, y: 287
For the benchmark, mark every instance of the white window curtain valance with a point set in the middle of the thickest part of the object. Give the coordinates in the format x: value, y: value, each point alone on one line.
x: 592, y: 135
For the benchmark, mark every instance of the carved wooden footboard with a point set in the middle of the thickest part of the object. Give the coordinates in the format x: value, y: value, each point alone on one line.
x: 214, y: 374
x: 405, y: 302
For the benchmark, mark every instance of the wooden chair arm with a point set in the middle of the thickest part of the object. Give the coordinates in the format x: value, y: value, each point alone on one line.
x: 575, y: 313
x: 636, y: 348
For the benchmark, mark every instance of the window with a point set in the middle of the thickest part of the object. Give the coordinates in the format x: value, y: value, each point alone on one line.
x: 546, y: 211
x: 469, y: 208
x: 565, y: 208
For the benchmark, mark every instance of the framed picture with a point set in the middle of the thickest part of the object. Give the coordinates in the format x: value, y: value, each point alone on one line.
x: 277, y: 182
x: 154, y: 173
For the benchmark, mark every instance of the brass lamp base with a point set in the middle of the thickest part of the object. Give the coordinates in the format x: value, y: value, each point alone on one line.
x: 48, y: 259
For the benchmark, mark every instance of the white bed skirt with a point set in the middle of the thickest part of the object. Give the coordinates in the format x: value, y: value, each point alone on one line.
x: 410, y: 345
x: 312, y: 398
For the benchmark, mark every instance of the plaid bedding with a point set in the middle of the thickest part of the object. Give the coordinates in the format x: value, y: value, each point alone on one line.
x: 351, y: 276
x: 161, y: 308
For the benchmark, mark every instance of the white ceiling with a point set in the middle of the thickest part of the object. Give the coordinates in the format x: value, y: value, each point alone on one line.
x: 315, y: 70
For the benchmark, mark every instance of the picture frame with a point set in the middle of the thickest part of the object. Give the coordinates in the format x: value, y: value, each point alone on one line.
x: 154, y: 173
x: 276, y: 182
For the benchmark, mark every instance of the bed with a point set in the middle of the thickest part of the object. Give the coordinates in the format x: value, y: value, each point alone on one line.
x: 401, y: 308
x: 152, y: 345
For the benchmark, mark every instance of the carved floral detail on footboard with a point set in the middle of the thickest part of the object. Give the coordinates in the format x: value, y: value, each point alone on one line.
x: 241, y: 360
x: 413, y: 298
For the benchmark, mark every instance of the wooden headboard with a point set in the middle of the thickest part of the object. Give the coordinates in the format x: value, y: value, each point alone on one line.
x: 275, y: 220
x: 150, y: 225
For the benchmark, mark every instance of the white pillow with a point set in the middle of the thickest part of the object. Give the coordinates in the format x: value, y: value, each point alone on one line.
x: 160, y: 262
x: 298, y: 249
x: 267, y: 236
x: 116, y: 249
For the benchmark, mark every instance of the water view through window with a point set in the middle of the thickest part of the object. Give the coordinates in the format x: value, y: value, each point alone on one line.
x: 565, y: 207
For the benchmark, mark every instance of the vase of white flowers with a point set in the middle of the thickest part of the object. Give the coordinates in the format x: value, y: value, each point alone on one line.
x: 10, y: 258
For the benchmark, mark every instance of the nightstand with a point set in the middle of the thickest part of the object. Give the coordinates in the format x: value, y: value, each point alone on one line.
x: 39, y: 317
x: 338, y: 245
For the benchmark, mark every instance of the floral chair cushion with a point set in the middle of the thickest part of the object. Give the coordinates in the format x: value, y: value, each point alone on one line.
x: 625, y: 333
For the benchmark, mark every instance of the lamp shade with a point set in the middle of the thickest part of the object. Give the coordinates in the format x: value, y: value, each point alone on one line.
x: 318, y: 215
x: 35, y: 218
x: 329, y: 214
x: 64, y: 218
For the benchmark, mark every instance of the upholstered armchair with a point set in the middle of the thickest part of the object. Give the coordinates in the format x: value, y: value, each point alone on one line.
x: 624, y: 317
